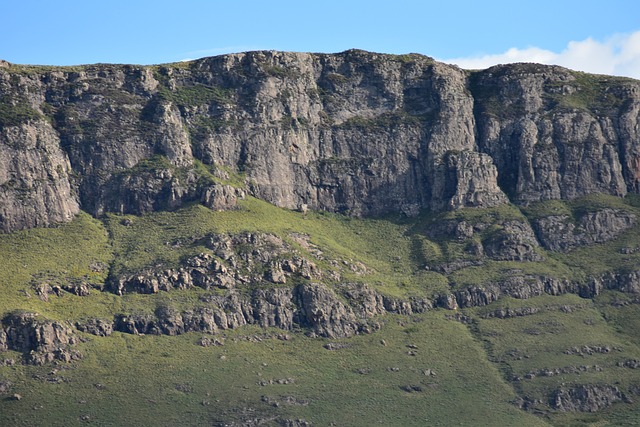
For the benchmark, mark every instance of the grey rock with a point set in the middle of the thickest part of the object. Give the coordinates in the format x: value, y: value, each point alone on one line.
x: 356, y: 132
x: 299, y: 422
x: 336, y: 346
x: 571, y: 152
x: 221, y: 197
x: 296, y: 146
x: 518, y: 285
x: 630, y: 363
x: 238, y: 259
x: 313, y: 307
x: 412, y: 388
x: 515, y: 241
x: 81, y: 289
x: 99, y: 327
x: 502, y: 240
x: 36, y: 187
x: 523, y: 286
x: 275, y: 274
x: 323, y: 313
x: 586, y: 398
x: 560, y: 233
x: 40, y: 340
x: 506, y: 313
x: 4, y: 346
x: 471, y: 181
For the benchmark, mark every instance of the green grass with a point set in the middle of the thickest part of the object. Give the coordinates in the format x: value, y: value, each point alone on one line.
x: 280, y: 72
x: 30, y: 70
x: 203, y: 126
x: 166, y: 238
x: 151, y: 164
x: 55, y: 255
x: 497, y: 271
x: 591, y: 92
x: 190, y: 96
x: 546, y: 208
x: 596, y: 259
x: 604, y: 257
x: 526, y: 344
x: 622, y: 313
x: 381, y: 122
x: 160, y: 380
x: 474, y: 215
x: 142, y: 381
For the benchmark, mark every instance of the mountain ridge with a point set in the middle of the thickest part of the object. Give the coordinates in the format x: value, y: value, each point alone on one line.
x: 305, y: 134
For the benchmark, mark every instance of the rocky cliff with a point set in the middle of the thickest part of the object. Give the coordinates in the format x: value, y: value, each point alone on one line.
x: 356, y: 132
x: 542, y: 272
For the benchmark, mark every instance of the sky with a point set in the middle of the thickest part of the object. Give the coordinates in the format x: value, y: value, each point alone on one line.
x: 594, y: 36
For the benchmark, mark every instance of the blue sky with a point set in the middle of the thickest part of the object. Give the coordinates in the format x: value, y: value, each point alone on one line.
x: 597, y: 36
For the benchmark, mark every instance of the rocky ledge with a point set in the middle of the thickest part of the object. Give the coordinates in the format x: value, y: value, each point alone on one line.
x: 586, y: 398
x: 562, y: 233
x: 312, y: 308
x: 39, y: 340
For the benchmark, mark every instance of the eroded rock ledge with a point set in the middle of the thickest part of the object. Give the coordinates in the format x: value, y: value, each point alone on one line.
x: 562, y: 233
x: 586, y: 398
x: 40, y: 340
x: 311, y: 307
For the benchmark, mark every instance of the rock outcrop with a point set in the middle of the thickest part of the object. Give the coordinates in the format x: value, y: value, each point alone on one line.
x: 499, y: 240
x: 313, y: 307
x: 586, y: 398
x: 471, y: 181
x: 237, y: 260
x: 524, y: 286
x: 555, y: 134
x: 260, y: 278
x: 356, y: 132
x: 561, y: 233
x: 36, y: 188
x: 40, y: 340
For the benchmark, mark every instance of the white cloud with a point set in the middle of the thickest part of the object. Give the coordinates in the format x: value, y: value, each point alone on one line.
x: 618, y: 55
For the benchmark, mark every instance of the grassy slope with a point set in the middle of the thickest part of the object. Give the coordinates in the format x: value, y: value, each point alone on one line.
x: 55, y: 256
x: 139, y: 375
x: 380, y: 244
x: 139, y: 379
x: 531, y: 344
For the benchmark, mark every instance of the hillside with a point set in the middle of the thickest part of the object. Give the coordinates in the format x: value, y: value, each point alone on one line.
x: 274, y: 238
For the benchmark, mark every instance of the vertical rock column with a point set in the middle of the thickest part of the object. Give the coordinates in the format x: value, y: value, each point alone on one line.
x: 35, y: 187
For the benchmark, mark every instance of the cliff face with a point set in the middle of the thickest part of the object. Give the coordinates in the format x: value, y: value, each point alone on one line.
x: 556, y: 134
x: 358, y: 133
x: 36, y: 189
